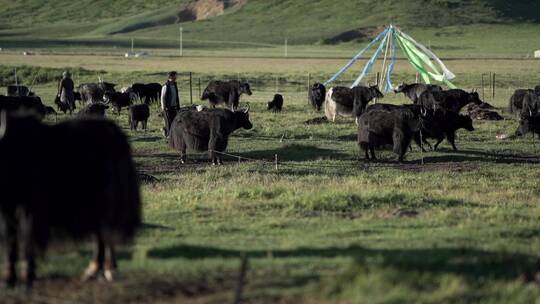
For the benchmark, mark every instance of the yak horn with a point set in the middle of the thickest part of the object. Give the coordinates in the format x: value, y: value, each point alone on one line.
x: 3, y: 123
x: 423, y: 111
x: 530, y: 113
x: 247, y: 109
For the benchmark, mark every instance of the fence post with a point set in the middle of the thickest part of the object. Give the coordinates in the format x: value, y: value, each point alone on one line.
x: 493, y: 85
x: 482, y: 85
x: 277, y: 83
x: 241, y: 280
x: 417, y: 77
x: 200, y: 93
x: 276, y: 161
x: 190, y: 88
x: 308, y: 86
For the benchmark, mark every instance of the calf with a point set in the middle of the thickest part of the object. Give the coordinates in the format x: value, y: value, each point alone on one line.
x: 206, y: 130
x: 63, y: 106
x: 316, y: 95
x: 441, y: 124
x: 117, y: 100
x: 379, y: 128
x: 96, y: 109
x: 276, y: 104
x: 138, y: 113
x: 44, y: 168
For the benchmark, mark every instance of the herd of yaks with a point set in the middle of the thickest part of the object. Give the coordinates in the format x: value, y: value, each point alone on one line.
x: 434, y: 113
x: 78, y: 176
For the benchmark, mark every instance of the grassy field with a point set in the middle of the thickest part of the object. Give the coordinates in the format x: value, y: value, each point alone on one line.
x: 324, y: 228
x: 453, y: 28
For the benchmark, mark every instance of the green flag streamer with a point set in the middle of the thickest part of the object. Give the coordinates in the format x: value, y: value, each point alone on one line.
x: 421, y: 62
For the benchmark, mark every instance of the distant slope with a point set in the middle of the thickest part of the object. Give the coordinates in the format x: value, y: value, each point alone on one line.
x: 257, y: 21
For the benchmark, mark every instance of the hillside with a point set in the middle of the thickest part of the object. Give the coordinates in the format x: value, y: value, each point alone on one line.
x: 262, y: 22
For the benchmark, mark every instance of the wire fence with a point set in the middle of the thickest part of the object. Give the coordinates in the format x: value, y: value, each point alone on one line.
x: 490, y: 85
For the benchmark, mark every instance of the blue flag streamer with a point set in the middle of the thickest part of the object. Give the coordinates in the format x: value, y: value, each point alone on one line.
x: 389, y: 87
x: 371, y: 61
x: 355, y: 58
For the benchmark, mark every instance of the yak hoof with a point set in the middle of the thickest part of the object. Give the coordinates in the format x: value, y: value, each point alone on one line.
x: 10, y: 281
x: 90, y: 273
x: 109, y: 275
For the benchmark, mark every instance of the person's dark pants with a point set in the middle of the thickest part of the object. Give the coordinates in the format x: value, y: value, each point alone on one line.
x: 168, y: 116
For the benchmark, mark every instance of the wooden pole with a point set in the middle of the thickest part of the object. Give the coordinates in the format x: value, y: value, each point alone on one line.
x: 190, y: 88
x: 277, y: 83
x: 482, y: 85
x: 241, y: 280
x: 308, y: 85
x: 276, y: 161
x: 493, y: 86
x: 200, y: 94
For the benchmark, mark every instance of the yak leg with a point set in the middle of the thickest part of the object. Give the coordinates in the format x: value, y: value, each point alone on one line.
x: 451, y: 137
x: 10, y: 231
x: 96, y: 264
x: 27, y: 228
x: 110, y: 261
x: 366, y: 153
x: 372, y: 151
x: 183, y: 148
x: 439, y: 140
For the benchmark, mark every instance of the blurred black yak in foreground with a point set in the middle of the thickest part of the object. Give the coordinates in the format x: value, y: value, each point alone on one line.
x: 76, y: 178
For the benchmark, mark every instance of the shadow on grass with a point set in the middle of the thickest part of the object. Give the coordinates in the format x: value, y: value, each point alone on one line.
x: 295, y: 152
x: 471, y: 263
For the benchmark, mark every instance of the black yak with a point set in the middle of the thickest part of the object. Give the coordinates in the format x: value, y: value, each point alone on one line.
x: 208, y: 129
x: 316, y: 95
x: 118, y: 100
x: 345, y: 101
x: 96, y: 109
x: 148, y: 92
x: 19, y: 90
x: 529, y: 124
x: 74, y: 179
x: 227, y: 92
x: 451, y: 100
x: 379, y: 128
x: 441, y: 124
x: 138, y: 113
x: 530, y: 103
x: 93, y: 92
x: 24, y: 103
x: 276, y: 104
x: 414, y: 90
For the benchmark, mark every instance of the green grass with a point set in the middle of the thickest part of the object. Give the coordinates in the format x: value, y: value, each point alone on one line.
x: 455, y: 28
x: 325, y: 227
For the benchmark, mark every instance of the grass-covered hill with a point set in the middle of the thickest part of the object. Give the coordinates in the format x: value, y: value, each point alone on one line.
x: 302, y: 22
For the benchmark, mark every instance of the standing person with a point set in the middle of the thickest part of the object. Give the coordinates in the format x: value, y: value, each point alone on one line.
x: 170, y: 101
x: 65, y: 90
